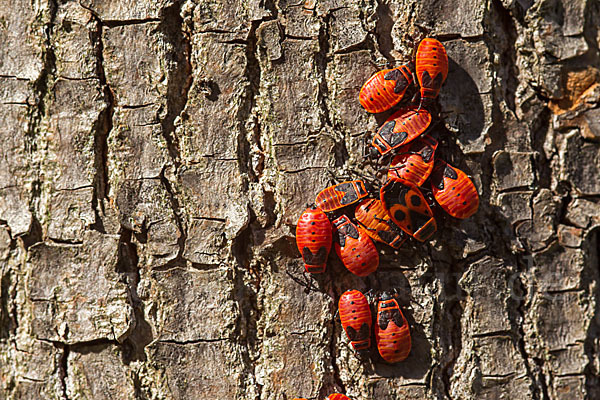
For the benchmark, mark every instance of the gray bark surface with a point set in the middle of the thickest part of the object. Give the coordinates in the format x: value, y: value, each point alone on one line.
x: 157, y: 154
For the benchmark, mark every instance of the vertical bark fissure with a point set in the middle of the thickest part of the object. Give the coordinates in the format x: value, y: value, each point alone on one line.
x: 102, y: 129
x: 63, y: 368
x: 538, y: 384
x: 180, y: 77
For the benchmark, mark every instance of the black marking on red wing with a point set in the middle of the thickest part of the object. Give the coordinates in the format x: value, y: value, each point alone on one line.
x: 401, y: 84
x: 350, y: 195
x: 349, y: 230
x: 437, y: 178
x: 392, y: 75
x: 449, y: 172
x: 397, y: 318
x: 427, y: 153
x: 426, y: 80
x: 314, y: 259
x: 383, y: 320
x: 418, y: 220
x: 387, y: 129
x: 362, y: 334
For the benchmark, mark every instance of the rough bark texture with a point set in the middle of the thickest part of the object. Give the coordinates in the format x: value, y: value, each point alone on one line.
x: 156, y: 156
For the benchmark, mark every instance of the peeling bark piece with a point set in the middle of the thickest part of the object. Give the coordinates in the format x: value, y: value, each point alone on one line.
x: 584, y: 213
x: 540, y: 230
x: 97, y: 372
x: 568, y: 325
x: 269, y: 38
x: 29, y: 369
x: 21, y: 53
x: 452, y: 18
x: 558, y: 268
x: 568, y: 361
x: 73, y: 46
x: 347, y: 29
x: 569, y: 387
x: 210, y: 127
x: 215, y: 190
x: 499, y: 356
x: 210, y: 370
x: 579, y: 162
x: 70, y: 212
x: 516, y: 206
x: 136, y: 146
x: 348, y: 72
x: 17, y: 170
x: 145, y: 208
x: 488, y: 284
x: 193, y: 305
x: 513, y: 169
x: 205, y: 242
x: 75, y: 111
x: 569, y: 236
x: 76, y: 293
x: 124, y: 10
x: 133, y: 75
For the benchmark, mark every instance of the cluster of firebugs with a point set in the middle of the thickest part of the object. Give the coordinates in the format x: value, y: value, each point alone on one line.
x: 401, y: 210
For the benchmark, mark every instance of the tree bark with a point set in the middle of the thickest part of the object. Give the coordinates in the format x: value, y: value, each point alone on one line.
x: 157, y: 154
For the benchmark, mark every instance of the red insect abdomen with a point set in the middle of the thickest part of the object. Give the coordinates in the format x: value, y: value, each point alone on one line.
x: 454, y: 191
x: 355, y: 315
x: 340, y: 195
x: 432, y: 67
x: 400, y: 129
x: 393, y: 342
x: 337, y: 396
x: 378, y: 224
x: 385, y: 88
x: 313, y: 237
x: 415, y: 161
x: 354, y: 247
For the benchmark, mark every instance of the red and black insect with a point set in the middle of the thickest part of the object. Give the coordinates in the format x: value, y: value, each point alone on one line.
x: 408, y: 208
x: 432, y: 69
x: 378, y: 224
x: 341, y: 195
x: 354, y: 247
x: 414, y: 163
x: 454, y: 191
x: 355, y: 315
x: 386, y: 88
x: 313, y: 237
x: 391, y: 330
x: 399, y: 129
x: 337, y: 396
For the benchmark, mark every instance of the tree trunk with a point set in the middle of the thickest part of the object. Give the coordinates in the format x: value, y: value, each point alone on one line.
x: 157, y: 155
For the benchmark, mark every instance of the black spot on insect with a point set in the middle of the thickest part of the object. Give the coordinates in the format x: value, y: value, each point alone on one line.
x: 312, y: 223
x: 415, y: 200
x: 400, y: 215
x: 464, y: 203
